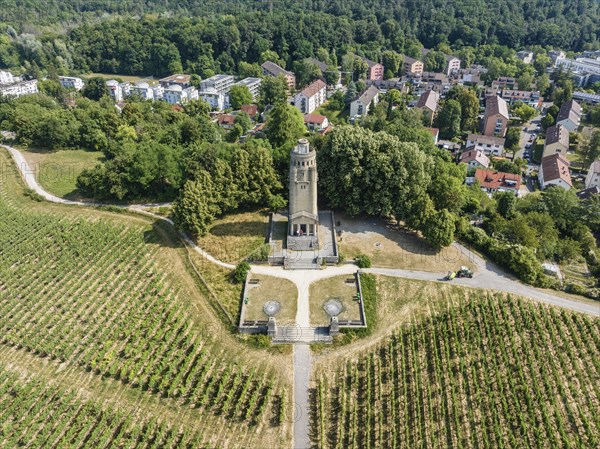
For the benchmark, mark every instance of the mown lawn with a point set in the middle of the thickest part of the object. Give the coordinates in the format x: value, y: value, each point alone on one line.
x: 57, y: 171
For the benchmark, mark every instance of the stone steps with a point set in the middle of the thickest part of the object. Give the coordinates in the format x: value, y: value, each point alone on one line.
x: 296, y: 335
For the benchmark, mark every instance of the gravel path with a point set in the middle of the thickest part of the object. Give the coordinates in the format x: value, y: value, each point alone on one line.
x: 488, y: 276
x: 29, y: 177
x: 302, y: 371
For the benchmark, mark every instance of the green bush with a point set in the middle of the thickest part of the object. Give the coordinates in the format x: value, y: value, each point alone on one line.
x: 576, y: 289
x: 517, y: 258
x: 363, y: 261
x: 240, y: 272
x: 34, y: 195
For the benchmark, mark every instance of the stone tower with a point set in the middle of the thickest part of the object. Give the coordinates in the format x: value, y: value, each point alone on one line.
x: 303, y: 219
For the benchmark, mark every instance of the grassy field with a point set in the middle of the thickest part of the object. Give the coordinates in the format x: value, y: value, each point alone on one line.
x: 272, y: 289
x: 111, y: 298
x: 234, y: 237
x: 391, y: 247
x: 57, y: 171
x: 335, y: 117
x: 463, y: 368
x: 333, y: 288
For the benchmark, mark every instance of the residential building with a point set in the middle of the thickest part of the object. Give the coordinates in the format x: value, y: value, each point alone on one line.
x: 492, y: 181
x: 471, y: 76
x: 217, y: 100
x: 316, y: 122
x: 569, y: 115
x: 271, y: 69
x: 8, y: 78
x: 474, y: 159
x: 530, y: 98
x: 177, y: 79
x: 555, y: 55
x: 324, y: 68
x: 147, y: 92
x: 452, y: 65
x: 412, y: 65
x: 448, y: 145
x: 557, y: 140
x: 311, y: 97
x: 226, y: 121
x: 375, y: 70
x: 19, y: 89
x: 192, y: 93
x: 505, y: 83
x: 71, y: 82
x: 593, y: 176
x: 525, y: 56
x: 588, y: 193
x: 587, y: 98
x: 175, y: 94
x: 250, y: 109
x: 115, y: 90
x: 427, y: 81
x: 253, y: 85
x: 428, y: 105
x: 554, y: 171
x: 365, y: 102
x: 320, y: 64
x: 392, y: 83
x: 585, y: 70
x: 490, y: 145
x: 495, y: 117
x: 219, y: 83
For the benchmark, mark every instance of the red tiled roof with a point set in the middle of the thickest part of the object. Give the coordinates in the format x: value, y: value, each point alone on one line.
x: 250, y: 109
x: 491, y: 179
x: 555, y: 167
x: 314, y: 118
x: 226, y: 119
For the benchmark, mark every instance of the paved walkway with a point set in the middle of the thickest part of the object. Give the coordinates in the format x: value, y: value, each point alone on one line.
x: 302, y: 371
x: 488, y: 276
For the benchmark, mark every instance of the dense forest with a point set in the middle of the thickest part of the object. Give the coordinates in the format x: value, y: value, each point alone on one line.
x: 562, y: 23
x: 153, y: 37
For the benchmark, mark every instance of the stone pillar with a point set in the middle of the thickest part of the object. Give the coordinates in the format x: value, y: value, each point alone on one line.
x: 272, y: 327
x: 334, y: 327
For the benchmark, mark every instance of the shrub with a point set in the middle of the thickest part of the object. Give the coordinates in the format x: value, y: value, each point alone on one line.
x: 576, y: 289
x: 240, y: 272
x: 363, y: 261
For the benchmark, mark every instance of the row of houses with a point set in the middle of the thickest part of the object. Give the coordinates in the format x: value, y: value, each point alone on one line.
x: 15, y: 86
x: 177, y: 89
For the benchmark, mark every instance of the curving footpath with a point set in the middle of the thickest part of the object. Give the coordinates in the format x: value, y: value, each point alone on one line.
x: 29, y: 177
x: 488, y: 276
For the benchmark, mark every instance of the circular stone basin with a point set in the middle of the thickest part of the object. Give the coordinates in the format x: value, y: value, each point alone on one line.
x: 333, y: 307
x: 271, y: 308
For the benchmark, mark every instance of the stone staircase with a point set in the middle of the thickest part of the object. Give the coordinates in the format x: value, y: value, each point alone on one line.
x: 302, y: 335
x: 302, y: 264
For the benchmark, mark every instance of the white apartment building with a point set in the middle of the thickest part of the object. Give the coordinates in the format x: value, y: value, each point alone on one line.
x: 490, y: 145
x: 19, y: 89
x: 217, y: 100
x: 585, y: 70
x: 219, y: 83
x: 593, y: 176
x: 8, y: 78
x: 115, y: 90
x: 71, y: 82
x: 253, y: 85
x: 311, y: 97
x: 147, y: 92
